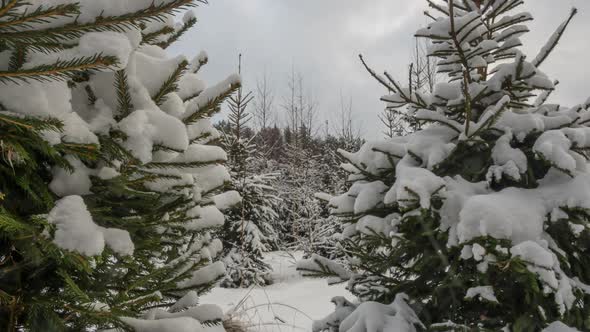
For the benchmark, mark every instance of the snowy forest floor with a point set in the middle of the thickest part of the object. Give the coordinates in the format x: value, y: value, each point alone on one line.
x: 290, y: 304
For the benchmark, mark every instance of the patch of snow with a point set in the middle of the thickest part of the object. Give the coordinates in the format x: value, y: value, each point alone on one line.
x: 227, y: 200
x: 482, y: 292
x: 509, y: 214
x: 204, y: 275
x: 533, y: 253
x: 559, y: 327
x: 190, y: 299
x: 376, y: 317
x: 65, y: 183
x: 291, y: 302
x: 179, y: 324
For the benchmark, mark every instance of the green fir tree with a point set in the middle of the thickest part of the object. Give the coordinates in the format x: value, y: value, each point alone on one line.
x: 110, y: 180
x: 249, y: 229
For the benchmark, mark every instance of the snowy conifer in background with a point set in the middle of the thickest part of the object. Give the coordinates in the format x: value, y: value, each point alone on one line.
x: 248, y: 230
x: 300, y: 180
x: 479, y: 220
x: 326, y: 229
x: 110, y: 185
x: 311, y: 166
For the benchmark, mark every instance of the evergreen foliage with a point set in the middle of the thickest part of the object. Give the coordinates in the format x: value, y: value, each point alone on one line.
x: 107, y: 201
x: 249, y: 228
x: 481, y: 216
x: 318, y: 231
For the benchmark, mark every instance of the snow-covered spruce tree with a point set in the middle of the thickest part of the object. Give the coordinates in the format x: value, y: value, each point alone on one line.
x: 481, y: 217
x: 248, y: 230
x: 326, y: 231
x: 301, y: 179
x: 109, y: 184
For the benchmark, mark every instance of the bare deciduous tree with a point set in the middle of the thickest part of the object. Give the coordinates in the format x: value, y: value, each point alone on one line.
x: 300, y: 109
x: 422, y: 78
x: 393, y: 122
x: 264, y: 103
x: 423, y: 70
x: 347, y: 129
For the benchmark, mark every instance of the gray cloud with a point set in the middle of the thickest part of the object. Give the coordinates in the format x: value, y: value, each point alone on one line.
x: 322, y: 39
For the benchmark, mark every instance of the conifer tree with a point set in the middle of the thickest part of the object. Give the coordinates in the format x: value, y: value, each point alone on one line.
x: 479, y: 220
x: 299, y: 183
x: 329, y: 177
x: 109, y: 183
x: 249, y: 230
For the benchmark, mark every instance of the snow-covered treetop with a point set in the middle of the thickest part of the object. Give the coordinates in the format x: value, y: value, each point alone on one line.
x: 491, y: 87
x: 478, y: 47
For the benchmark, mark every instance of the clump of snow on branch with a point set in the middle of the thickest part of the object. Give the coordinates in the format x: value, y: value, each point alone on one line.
x: 76, y: 231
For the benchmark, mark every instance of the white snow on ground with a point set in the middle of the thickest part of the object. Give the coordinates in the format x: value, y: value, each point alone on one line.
x: 290, y: 304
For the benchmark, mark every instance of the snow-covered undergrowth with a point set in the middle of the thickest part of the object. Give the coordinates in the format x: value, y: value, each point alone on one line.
x: 291, y: 303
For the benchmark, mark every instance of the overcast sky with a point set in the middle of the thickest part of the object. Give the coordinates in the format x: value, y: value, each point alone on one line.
x: 322, y: 40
